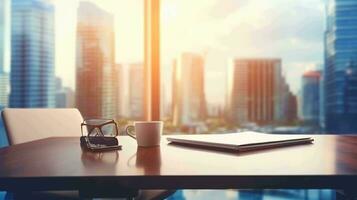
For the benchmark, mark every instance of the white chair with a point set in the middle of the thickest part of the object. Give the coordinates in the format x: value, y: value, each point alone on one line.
x: 25, y: 125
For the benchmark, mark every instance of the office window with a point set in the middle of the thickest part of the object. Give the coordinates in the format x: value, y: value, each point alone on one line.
x: 274, y: 66
x: 64, y: 53
x: 279, y: 66
x: 225, y: 66
x: 106, y: 46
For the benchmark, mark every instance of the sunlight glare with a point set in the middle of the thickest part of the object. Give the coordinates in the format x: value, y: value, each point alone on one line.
x: 169, y: 12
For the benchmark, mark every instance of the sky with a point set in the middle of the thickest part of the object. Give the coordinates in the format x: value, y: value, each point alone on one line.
x: 218, y: 29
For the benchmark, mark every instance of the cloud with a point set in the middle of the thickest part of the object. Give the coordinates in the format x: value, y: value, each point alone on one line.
x: 288, y: 29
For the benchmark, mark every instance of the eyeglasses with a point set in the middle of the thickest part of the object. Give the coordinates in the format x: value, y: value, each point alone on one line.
x: 99, y: 128
x: 99, y: 134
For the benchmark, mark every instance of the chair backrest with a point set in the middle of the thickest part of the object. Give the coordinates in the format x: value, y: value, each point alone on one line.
x: 24, y: 125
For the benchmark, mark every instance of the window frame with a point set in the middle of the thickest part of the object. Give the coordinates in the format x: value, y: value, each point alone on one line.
x: 152, y: 60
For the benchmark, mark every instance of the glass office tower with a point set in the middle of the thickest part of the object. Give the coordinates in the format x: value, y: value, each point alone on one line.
x: 4, y: 77
x: 311, y: 97
x: 136, y: 91
x: 258, y: 92
x: 96, y: 84
x: 4, y: 48
x: 340, y: 66
x: 3, y: 17
x: 189, y: 102
x: 32, y: 54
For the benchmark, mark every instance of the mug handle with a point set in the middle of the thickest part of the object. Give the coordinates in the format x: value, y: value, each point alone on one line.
x: 127, y: 131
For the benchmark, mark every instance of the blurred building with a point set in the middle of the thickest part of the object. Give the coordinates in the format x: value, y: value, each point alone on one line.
x: 4, y: 77
x: 114, y: 99
x: 311, y: 97
x: 119, y: 82
x: 291, y: 109
x: 4, y: 89
x: 4, y: 50
x: 299, y: 104
x: 188, y: 92
x: 60, y: 95
x: 136, y: 91
x: 65, y: 98
x: 322, y: 101
x: 58, y: 83
x: 214, y: 110
x: 340, y: 63
x: 258, y: 93
x: 32, y: 54
x: 3, y: 30
x: 286, y: 106
x: 320, y: 69
x: 165, y: 107
x: 64, y: 95
x: 283, y: 100
x: 96, y: 85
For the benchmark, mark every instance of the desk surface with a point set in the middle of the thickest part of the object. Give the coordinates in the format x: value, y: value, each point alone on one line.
x: 60, y: 163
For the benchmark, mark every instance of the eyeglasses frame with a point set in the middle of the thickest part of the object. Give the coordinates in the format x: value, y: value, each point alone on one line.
x: 110, y: 121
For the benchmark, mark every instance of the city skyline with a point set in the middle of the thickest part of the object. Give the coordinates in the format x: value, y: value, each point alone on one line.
x: 96, y: 54
x: 301, y: 48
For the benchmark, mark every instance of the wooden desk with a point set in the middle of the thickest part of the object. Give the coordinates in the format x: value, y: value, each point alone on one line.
x: 60, y: 164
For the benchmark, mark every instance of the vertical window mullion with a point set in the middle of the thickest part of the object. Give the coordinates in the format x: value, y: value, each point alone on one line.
x: 152, y: 59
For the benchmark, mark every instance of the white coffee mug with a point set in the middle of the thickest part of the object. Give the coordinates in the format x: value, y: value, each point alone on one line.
x: 147, y: 133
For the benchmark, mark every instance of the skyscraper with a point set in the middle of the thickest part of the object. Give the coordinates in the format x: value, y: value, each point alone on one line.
x: 340, y: 96
x: 136, y: 91
x: 291, y: 109
x: 32, y: 54
x: 120, y: 89
x: 4, y: 89
x: 65, y: 98
x: 4, y: 29
x: 60, y: 95
x: 64, y: 95
x: 188, y: 92
x: 311, y: 97
x: 4, y: 77
x: 4, y: 50
x: 96, y: 92
x: 257, y: 92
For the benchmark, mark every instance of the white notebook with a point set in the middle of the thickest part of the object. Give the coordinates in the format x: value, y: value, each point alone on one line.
x: 244, y: 141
